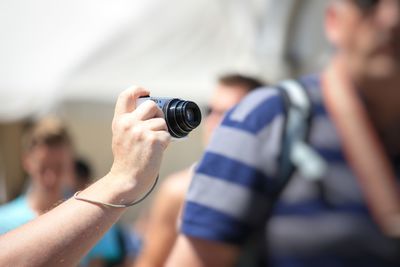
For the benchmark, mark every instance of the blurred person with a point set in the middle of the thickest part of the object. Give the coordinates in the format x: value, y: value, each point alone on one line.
x: 61, y: 236
x: 350, y: 216
x: 162, y: 228
x: 48, y: 161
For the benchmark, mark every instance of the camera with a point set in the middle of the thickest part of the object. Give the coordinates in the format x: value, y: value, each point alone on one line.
x: 180, y: 115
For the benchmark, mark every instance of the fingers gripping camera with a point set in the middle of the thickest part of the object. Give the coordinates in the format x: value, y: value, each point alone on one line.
x: 180, y: 115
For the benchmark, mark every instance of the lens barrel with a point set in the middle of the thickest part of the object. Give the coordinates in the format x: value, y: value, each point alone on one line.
x: 181, y: 117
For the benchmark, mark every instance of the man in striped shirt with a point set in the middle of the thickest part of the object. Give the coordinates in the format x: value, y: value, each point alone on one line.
x: 346, y: 218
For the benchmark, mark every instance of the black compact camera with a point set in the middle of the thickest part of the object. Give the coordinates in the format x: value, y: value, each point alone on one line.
x: 181, y: 116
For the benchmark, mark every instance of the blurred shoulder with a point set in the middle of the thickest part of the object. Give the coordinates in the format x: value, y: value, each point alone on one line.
x: 176, y: 184
x: 256, y: 111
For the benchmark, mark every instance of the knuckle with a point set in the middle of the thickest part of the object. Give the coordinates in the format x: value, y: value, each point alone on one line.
x: 135, y: 91
x: 124, y: 124
x: 162, y: 122
x: 164, y: 125
x: 124, y: 94
x: 152, y: 105
x: 137, y: 132
x: 152, y: 138
x: 131, y: 91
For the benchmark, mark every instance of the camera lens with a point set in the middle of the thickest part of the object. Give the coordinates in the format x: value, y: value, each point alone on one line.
x: 181, y: 117
x: 189, y: 115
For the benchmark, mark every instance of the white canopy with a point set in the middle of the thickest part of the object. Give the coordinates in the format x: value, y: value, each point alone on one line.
x: 68, y: 50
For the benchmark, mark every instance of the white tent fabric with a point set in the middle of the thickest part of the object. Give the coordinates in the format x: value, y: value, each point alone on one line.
x: 44, y: 40
x: 68, y: 50
x: 176, y: 49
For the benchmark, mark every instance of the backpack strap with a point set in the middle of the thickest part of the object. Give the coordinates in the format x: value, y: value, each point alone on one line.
x: 296, y: 154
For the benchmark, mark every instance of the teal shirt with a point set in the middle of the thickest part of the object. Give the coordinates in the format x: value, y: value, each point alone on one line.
x: 18, y: 212
x: 15, y: 214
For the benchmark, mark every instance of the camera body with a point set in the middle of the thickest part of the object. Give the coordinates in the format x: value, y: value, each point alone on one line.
x: 180, y: 115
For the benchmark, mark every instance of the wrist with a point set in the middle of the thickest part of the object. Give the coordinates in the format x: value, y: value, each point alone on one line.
x: 112, y: 188
x: 115, y: 196
x: 122, y: 186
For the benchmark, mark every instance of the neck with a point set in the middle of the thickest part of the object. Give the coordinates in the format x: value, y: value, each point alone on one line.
x: 42, y: 200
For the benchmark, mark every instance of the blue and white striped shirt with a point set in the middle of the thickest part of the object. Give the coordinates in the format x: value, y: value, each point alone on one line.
x: 313, y: 224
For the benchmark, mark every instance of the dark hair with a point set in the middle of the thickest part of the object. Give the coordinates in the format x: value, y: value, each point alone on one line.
x: 48, y: 131
x: 83, y: 171
x: 246, y: 82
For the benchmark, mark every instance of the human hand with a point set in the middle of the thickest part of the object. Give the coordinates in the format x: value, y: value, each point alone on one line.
x: 140, y: 136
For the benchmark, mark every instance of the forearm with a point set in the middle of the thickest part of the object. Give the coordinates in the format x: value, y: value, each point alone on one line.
x: 63, y: 235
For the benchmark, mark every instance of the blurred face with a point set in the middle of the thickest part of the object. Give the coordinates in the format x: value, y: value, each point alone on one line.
x: 367, y: 33
x: 49, y: 166
x: 223, y: 98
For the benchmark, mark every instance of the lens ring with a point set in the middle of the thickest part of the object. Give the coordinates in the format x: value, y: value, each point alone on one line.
x: 172, y: 119
x: 179, y: 123
x: 195, y: 112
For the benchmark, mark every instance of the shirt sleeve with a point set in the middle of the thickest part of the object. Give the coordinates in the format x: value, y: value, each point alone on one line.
x: 229, y: 194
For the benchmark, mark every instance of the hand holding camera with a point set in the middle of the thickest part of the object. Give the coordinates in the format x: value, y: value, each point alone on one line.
x: 139, y: 139
x: 141, y: 132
